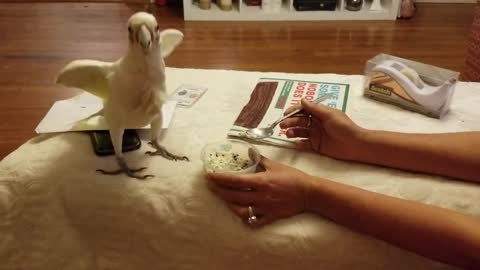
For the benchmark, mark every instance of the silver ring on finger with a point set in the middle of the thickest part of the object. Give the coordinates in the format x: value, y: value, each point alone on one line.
x: 309, y: 121
x: 252, y: 218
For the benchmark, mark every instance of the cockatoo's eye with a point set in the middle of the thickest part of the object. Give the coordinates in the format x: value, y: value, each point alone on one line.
x: 130, y: 34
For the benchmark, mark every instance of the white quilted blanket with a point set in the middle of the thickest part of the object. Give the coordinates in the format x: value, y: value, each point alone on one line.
x: 56, y: 212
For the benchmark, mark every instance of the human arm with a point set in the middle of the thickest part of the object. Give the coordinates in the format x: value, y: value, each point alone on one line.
x: 282, y: 192
x: 333, y: 134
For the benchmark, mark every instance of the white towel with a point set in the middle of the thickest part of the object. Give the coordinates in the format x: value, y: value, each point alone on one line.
x: 57, y: 212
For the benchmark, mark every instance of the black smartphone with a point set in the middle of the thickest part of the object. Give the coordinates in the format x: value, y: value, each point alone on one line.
x: 102, y: 143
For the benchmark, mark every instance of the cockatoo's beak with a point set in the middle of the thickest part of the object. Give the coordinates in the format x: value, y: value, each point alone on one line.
x: 145, y: 38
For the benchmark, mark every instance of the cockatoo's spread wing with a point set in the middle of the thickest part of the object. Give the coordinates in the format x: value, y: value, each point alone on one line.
x: 169, y: 40
x: 89, y: 75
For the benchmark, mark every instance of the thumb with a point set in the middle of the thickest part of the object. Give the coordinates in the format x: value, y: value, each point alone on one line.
x: 268, y: 164
x: 320, y: 111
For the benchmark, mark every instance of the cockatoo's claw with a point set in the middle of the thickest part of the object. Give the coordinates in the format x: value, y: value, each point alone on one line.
x: 143, y: 177
x: 161, y: 151
x: 124, y: 169
x: 129, y: 173
x: 119, y: 171
x: 138, y: 170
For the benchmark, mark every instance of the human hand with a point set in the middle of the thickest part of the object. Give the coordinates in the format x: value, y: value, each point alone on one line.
x: 331, y: 131
x: 278, y: 192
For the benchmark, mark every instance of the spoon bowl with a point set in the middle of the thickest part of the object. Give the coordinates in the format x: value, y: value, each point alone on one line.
x: 259, y: 133
x: 265, y: 132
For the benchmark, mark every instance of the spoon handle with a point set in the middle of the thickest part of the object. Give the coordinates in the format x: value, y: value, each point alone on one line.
x: 317, y: 100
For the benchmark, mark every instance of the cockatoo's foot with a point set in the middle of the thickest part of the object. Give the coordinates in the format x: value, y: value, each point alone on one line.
x: 124, y: 169
x: 161, y: 151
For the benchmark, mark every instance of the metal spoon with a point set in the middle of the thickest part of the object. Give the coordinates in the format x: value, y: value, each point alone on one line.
x: 262, y: 133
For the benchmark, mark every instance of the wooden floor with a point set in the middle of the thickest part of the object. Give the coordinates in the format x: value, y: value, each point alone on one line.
x: 36, y: 40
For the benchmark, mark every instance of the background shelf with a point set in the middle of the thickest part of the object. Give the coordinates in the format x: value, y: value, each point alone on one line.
x: 243, y: 12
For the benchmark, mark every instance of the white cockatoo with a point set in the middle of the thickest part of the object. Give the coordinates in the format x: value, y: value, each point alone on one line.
x: 133, y: 88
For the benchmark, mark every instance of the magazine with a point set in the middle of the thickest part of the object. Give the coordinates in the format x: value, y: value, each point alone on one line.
x: 271, y: 97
